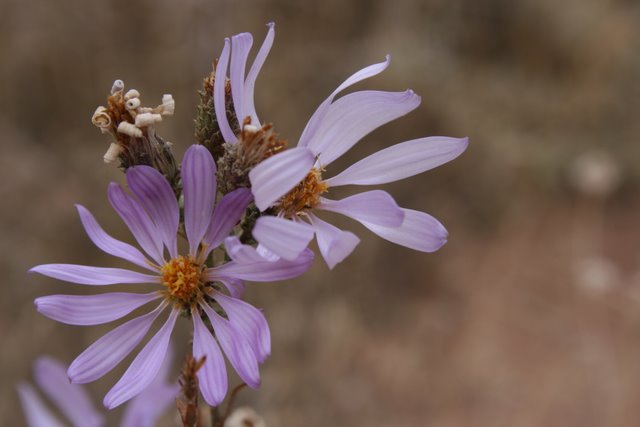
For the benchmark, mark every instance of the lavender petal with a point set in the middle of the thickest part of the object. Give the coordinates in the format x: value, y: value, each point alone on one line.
x: 318, y: 116
x: 156, y: 196
x: 268, y: 271
x: 334, y: 244
x: 275, y: 176
x: 284, y: 237
x: 241, y: 253
x: 354, y: 116
x: 144, y: 367
x: 107, y: 243
x: 374, y: 207
x: 401, y: 161
x: 86, y: 275
x: 109, y: 350
x: 248, y: 321
x: 35, y: 411
x: 219, y: 102
x: 237, y: 349
x: 91, y: 309
x: 213, y: 374
x: 240, y: 47
x: 250, y: 82
x: 418, y: 231
x: 226, y: 215
x: 138, y: 221
x: 199, y: 188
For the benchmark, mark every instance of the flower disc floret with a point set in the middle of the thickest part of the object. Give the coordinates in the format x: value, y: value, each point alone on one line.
x: 182, y: 277
x: 305, y: 195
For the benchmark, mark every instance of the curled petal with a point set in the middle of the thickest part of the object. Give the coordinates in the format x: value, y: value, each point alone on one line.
x: 268, y: 271
x: 240, y: 47
x: 144, y: 367
x: 284, y: 237
x: 319, y: 115
x: 401, y: 161
x: 235, y: 287
x: 35, y: 411
x: 91, y: 309
x: 107, y: 243
x: 418, y: 231
x: 156, y: 196
x: 241, y: 253
x: 275, y: 176
x: 199, y: 188
x: 354, y: 116
x: 213, y: 374
x: 72, y: 400
x: 248, y: 321
x: 236, y: 347
x: 250, y: 82
x: 334, y: 244
x: 219, y: 94
x: 104, y: 354
x: 375, y: 207
x: 86, y: 275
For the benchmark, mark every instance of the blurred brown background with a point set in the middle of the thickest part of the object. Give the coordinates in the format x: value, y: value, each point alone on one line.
x: 529, y: 316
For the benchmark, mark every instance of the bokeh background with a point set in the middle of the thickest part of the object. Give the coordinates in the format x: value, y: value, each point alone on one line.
x: 529, y: 316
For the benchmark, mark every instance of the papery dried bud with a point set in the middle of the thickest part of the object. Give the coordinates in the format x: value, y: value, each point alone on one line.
x: 112, y: 153
x: 245, y: 417
x: 129, y: 129
x: 132, y: 104
x: 168, y: 106
x: 131, y: 93
x: 101, y: 118
x: 118, y: 86
x: 146, y: 119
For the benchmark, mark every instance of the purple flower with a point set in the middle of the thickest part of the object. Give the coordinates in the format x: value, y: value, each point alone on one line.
x: 187, y: 285
x: 75, y: 404
x: 289, y: 186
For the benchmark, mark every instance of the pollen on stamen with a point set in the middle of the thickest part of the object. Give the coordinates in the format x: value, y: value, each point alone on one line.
x: 303, y: 196
x: 182, y: 278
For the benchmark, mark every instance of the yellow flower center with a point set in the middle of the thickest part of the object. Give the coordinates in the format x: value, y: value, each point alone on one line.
x: 303, y: 196
x: 182, y: 277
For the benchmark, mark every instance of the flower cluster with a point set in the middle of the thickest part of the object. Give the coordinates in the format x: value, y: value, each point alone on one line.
x: 246, y: 207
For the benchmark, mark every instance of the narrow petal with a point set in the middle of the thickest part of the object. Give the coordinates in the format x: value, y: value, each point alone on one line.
x: 144, y: 367
x: 219, y: 94
x: 250, y: 82
x: 104, y: 354
x: 354, y: 116
x: 237, y: 349
x: 319, y: 115
x: 334, y: 244
x: 375, y: 207
x: 250, y: 322
x: 402, y: 161
x: 274, y: 177
x: 138, y: 221
x: 145, y: 409
x: 213, y: 374
x: 91, y: 309
x: 418, y: 231
x: 156, y: 196
x: 72, y: 400
x: 268, y: 271
x: 284, y: 237
x: 226, y: 215
x: 86, y: 275
x: 199, y: 188
x: 240, y: 47
x: 107, y: 243
x: 240, y: 252
x: 35, y: 411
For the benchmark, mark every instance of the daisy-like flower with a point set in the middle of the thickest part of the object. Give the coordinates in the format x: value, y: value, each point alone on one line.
x: 187, y: 284
x: 73, y: 401
x: 289, y: 186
